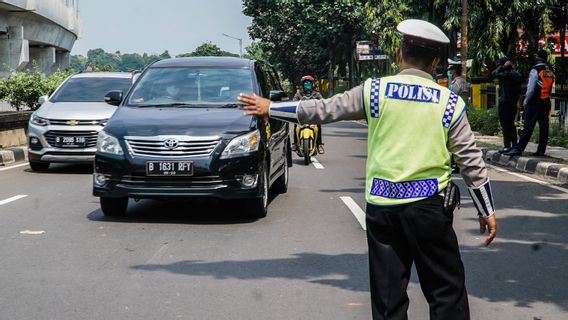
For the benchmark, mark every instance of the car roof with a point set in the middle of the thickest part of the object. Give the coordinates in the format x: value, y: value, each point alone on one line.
x: 125, y: 75
x: 222, y: 62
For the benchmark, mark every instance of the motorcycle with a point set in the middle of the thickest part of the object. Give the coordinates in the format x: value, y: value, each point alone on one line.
x: 306, y: 135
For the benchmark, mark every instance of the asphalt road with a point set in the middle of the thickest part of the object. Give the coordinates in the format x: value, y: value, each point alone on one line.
x: 60, y: 258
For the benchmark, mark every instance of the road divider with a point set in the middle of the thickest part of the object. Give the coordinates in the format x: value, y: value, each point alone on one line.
x: 12, y: 199
x: 355, y: 210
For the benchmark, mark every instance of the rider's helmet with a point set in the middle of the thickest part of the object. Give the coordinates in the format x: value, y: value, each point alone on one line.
x: 308, y: 84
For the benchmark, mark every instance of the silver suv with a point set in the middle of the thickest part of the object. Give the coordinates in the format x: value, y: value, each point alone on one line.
x: 65, y: 127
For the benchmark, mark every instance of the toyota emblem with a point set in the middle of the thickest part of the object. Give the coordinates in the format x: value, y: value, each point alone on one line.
x: 171, y: 143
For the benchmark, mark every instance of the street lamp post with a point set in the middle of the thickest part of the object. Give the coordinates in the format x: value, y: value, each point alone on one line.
x: 240, y: 43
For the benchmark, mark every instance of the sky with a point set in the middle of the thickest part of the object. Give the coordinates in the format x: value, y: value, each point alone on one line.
x: 179, y: 26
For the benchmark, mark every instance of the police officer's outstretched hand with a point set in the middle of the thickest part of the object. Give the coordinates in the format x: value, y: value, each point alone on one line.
x: 490, y: 225
x: 255, y: 105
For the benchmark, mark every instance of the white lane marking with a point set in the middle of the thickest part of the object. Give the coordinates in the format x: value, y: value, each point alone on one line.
x: 316, y: 163
x: 14, y: 198
x: 32, y: 232
x: 13, y: 167
x: 518, y: 175
x: 356, y: 210
x: 361, y: 123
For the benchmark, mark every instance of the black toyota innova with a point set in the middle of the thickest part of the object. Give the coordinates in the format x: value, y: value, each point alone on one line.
x: 178, y: 133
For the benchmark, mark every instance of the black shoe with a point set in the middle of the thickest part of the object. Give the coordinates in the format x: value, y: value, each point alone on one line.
x: 513, y: 152
x: 504, y: 150
x: 321, y: 150
x: 538, y: 154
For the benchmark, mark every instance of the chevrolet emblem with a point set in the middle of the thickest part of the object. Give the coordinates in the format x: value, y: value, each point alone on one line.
x: 72, y: 122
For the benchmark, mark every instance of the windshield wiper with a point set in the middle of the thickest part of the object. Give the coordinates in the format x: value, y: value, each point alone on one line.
x: 233, y: 105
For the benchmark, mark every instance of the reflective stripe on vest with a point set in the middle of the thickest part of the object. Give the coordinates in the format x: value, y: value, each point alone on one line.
x: 409, y: 119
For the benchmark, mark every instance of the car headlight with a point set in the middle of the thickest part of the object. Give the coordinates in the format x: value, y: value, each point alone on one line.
x: 108, y: 144
x: 242, y: 144
x: 39, y: 121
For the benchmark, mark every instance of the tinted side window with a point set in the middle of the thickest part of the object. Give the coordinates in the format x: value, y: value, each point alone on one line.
x: 262, y: 82
x: 90, y: 89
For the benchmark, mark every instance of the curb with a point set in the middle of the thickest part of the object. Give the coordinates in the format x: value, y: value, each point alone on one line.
x: 13, y: 155
x: 541, y: 168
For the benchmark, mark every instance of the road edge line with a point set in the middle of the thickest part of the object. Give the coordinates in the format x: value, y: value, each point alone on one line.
x: 518, y: 175
x: 12, y: 199
x: 355, y: 210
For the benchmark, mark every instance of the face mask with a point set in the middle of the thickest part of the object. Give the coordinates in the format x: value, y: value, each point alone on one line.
x: 308, y: 86
x: 172, y: 90
x: 450, y: 75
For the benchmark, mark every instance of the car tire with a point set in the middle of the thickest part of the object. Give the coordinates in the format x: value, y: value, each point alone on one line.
x: 114, y: 207
x: 39, y: 166
x: 281, y: 185
x: 258, y: 207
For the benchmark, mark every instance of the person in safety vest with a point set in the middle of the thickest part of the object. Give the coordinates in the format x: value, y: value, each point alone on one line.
x: 309, y: 92
x: 413, y: 126
x: 536, y: 105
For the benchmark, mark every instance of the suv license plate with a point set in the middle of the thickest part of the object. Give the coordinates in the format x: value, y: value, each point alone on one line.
x: 169, y: 168
x: 71, y: 141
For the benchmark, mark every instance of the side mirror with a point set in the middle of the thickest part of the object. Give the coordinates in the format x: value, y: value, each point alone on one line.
x: 278, y: 95
x: 42, y: 99
x: 114, y: 97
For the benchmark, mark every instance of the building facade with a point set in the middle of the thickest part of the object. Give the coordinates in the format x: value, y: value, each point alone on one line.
x: 40, y: 32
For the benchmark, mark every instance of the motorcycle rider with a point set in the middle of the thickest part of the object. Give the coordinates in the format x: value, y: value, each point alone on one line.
x: 308, y: 92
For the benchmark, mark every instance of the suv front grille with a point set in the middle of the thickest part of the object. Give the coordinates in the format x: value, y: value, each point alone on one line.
x: 58, y: 122
x: 90, y: 138
x: 185, y: 146
x: 203, y: 182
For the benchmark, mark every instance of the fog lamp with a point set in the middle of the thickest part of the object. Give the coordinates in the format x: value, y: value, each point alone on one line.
x: 249, y: 180
x: 34, y: 140
x: 100, y: 179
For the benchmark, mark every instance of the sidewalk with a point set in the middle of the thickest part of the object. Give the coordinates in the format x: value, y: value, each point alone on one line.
x: 553, y: 166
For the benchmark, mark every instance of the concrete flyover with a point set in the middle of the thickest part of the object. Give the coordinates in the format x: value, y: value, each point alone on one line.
x: 37, y: 30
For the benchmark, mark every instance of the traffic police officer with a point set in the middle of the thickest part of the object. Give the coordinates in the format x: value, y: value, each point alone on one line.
x: 414, y: 125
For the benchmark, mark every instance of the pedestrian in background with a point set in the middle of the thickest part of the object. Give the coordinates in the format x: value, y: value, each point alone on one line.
x: 537, y: 106
x: 458, y: 84
x: 510, y: 81
x: 413, y: 126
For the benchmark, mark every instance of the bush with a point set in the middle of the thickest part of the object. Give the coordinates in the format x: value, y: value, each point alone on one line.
x: 484, y: 121
x: 23, y: 88
x: 556, y: 136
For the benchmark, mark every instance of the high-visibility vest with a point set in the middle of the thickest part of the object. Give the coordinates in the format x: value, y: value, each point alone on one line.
x: 409, y: 119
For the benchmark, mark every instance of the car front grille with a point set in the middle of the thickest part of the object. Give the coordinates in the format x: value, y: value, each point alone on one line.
x: 58, y: 122
x: 90, y: 138
x: 185, y: 146
x: 203, y: 182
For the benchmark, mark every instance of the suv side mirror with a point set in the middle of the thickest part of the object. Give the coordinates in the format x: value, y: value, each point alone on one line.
x: 42, y: 99
x: 278, y: 95
x: 114, y: 97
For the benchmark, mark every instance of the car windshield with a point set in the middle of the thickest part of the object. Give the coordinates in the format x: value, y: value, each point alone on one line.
x: 92, y: 89
x: 191, y: 86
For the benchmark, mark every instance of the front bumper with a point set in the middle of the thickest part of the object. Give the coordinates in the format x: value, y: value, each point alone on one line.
x: 126, y: 177
x: 44, y: 152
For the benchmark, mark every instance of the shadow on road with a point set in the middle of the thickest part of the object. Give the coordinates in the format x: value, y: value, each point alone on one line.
x: 61, y: 168
x: 195, y: 211
x: 344, y: 271
x: 527, y: 264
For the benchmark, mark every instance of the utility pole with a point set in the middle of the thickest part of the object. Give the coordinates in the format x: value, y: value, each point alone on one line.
x: 240, y: 43
x: 464, y: 37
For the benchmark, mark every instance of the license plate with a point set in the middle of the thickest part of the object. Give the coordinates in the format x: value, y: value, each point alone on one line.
x: 71, y: 141
x: 169, y: 168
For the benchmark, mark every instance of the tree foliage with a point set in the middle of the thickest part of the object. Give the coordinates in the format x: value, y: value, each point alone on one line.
x: 23, y: 88
x: 100, y: 60
x: 208, y: 49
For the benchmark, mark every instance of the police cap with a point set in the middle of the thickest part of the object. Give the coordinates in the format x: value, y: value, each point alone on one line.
x: 422, y: 33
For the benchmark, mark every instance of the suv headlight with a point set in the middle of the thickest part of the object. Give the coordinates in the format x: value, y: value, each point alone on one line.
x: 242, y: 144
x: 108, y: 144
x: 39, y: 121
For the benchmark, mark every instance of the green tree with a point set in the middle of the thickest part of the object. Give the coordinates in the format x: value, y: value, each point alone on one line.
x: 207, y: 49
